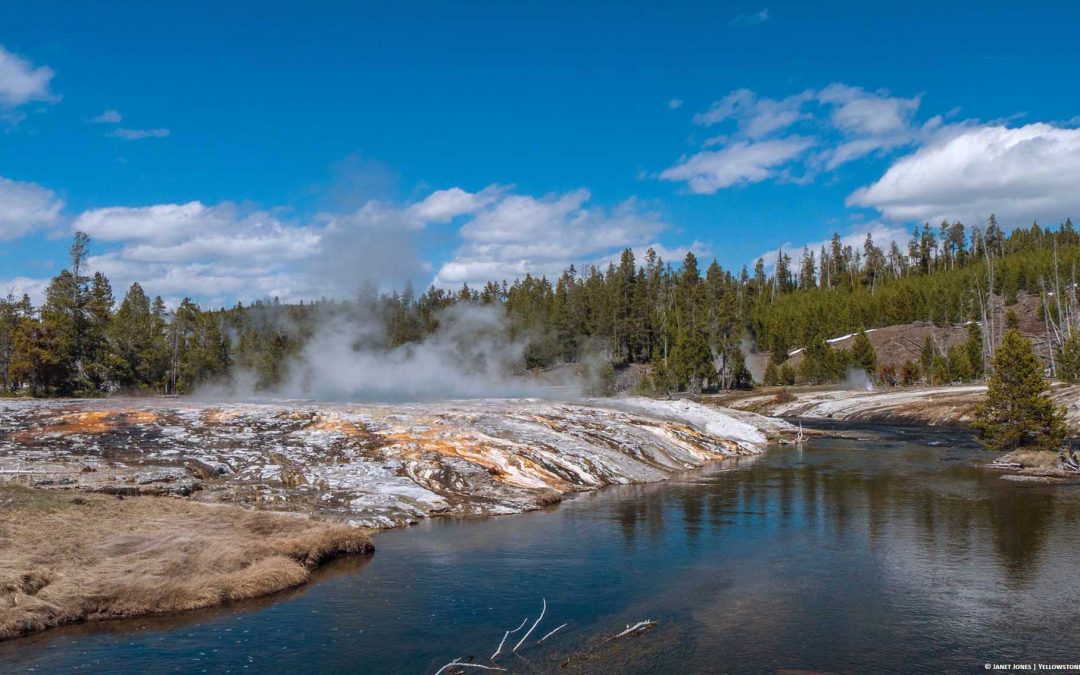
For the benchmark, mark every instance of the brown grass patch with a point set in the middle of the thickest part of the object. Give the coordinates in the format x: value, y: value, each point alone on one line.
x: 67, y: 558
x: 1032, y: 459
x: 783, y: 396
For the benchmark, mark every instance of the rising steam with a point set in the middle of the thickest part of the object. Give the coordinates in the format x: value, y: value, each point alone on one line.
x: 470, y: 355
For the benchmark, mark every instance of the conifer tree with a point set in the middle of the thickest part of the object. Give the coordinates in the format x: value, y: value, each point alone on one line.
x: 863, y: 354
x: 771, y: 376
x: 1017, y: 412
x: 1067, y: 358
x: 974, y: 348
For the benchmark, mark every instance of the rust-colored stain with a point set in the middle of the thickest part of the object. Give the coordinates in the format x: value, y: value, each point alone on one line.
x: 452, y: 442
x: 217, y: 416
x: 89, y: 422
x: 341, y: 426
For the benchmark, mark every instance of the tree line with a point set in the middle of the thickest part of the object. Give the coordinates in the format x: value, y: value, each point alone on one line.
x: 692, y: 328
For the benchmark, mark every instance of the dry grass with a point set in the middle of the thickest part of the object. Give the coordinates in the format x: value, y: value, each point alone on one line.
x: 67, y: 558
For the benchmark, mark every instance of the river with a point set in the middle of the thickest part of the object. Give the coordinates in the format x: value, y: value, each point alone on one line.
x: 890, y: 553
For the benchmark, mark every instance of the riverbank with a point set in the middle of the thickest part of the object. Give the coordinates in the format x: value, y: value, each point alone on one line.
x: 930, y: 406
x: 70, y: 557
x: 118, y: 508
x: 865, y: 529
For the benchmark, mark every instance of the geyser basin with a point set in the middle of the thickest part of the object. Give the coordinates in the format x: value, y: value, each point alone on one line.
x: 374, y: 465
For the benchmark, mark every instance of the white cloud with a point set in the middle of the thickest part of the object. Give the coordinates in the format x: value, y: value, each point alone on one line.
x: 18, y: 286
x: 443, y: 206
x: 756, y: 117
x: 21, y: 82
x: 137, y: 134
x: 738, y: 163
x: 969, y: 172
x: 869, y: 121
x: 25, y: 207
x: 219, y: 253
x: 213, y: 252
x: 675, y: 103
x: 108, y: 117
x: 842, y: 122
x: 753, y: 19
x: 520, y: 235
x: 860, y: 112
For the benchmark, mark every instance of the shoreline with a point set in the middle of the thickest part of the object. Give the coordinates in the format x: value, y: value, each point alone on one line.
x: 950, y: 406
x: 159, y: 491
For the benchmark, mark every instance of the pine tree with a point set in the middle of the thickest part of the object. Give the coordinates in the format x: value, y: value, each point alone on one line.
x: 863, y: 354
x: 960, y: 364
x: 1017, y: 412
x: 787, y: 374
x: 974, y: 348
x: 772, y: 374
x: 1068, y: 358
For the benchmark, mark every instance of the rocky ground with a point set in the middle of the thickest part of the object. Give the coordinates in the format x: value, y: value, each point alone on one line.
x: 372, y: 466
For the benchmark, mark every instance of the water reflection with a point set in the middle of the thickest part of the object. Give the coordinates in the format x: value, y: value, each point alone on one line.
x: 885, y: 552
x: 942, y: 509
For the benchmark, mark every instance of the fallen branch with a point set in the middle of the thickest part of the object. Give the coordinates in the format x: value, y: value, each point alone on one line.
x: 551, y: 633
x: 506, y: 635
x: 461, y: 664
x: 533, y: 627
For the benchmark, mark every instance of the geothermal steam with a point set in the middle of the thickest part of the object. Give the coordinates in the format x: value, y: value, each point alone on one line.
x: 470, y: 355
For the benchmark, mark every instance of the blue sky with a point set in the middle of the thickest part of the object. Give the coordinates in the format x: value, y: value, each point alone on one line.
x: 253, y: 149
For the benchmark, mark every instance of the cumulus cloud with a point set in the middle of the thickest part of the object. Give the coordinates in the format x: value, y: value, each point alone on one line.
x: 675, y: 103
x: 108, y: 117
x: 220, y: 253
x: 25, y: 207
x: 442, y: 206
x: 737, y: 163
x: 21, y: 82
x: 520, y: 234
x: 968, y: 172
x: 215, y: 252
x: 138, y: 134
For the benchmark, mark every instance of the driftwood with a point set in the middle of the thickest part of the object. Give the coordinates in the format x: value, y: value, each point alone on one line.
x: 551, y: 633
x: 1070, y: 463
x: 533, y: 627
x: 506, y: 635
x: 637, y: 629
x: 458, y: 663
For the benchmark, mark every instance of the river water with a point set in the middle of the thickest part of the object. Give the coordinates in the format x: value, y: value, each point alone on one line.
x: 889, y: 553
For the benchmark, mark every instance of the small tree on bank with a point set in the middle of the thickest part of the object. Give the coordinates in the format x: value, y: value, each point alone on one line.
x: 1017, y: 412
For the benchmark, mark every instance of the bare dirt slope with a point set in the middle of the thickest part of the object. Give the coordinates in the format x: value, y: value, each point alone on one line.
x: 898, y: 343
